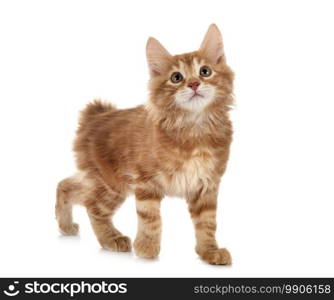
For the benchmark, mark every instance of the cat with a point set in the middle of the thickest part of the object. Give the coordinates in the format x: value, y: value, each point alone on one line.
x: 175, y: 145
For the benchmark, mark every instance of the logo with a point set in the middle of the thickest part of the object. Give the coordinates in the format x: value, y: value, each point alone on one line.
x: 69, y: 288
x: 11, y: 289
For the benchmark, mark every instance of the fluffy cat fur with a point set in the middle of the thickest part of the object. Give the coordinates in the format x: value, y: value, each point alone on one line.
x: 175, y: 145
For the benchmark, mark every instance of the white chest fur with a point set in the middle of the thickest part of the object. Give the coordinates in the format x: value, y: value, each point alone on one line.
x: 195, y: 173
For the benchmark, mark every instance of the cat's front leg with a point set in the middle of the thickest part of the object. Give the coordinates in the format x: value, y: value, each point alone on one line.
x: 202, y: 206
x: 147, y: 243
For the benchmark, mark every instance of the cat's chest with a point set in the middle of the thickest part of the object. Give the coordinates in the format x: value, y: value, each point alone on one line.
x: 190, y: 174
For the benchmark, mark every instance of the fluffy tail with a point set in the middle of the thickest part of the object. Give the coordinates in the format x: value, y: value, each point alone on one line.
x: 93, y: 109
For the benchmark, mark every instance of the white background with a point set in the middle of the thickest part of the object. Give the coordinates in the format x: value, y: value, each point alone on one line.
x: 276, y: 200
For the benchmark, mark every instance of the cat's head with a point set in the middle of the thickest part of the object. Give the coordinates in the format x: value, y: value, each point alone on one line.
x: 191, y: 82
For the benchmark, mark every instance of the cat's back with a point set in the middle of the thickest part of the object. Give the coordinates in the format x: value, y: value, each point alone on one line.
x: 102, y: 127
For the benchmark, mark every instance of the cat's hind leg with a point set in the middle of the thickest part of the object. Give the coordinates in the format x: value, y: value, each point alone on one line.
x: 101, y: 207
x: 70, y: 191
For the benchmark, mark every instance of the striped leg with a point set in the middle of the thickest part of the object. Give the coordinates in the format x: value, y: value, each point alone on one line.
x: 147, y: 243
x: 202, y: 208
x: 100, y: 209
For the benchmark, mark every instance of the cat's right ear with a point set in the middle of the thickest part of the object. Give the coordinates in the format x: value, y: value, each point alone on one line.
x: 158, y: 57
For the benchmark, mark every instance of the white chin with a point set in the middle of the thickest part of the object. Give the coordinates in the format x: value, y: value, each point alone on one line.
x: 196, y: 103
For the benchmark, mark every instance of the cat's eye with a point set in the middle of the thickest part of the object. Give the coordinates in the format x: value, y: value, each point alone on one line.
x: 176, y: 77
x: 205, y: 71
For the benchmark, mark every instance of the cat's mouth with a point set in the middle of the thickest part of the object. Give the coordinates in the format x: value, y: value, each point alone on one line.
x: 196, y: 94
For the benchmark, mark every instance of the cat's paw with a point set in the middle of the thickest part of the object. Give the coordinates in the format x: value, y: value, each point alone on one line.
x: 120, y: 243
x: 147, y: 247
x: 217, y: 257
x: 71, y: 229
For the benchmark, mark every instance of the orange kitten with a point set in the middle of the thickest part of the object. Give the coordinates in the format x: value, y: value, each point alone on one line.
x: 175, y: 145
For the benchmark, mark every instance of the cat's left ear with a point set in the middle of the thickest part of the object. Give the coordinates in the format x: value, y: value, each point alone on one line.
x: 212, y: 45
x: 158, y: 58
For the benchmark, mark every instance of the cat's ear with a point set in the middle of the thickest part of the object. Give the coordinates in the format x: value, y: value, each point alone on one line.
x: 212, y: 45
x: 158, y: 57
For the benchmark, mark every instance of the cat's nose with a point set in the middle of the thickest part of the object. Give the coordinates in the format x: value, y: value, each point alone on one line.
x: 194, y: 85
